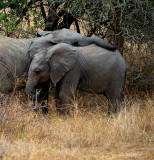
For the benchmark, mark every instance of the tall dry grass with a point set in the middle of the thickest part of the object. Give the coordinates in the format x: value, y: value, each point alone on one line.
x: 88, y: 134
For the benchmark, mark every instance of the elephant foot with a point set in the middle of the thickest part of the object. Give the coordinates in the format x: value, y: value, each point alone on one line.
x: 45, y: 109
x: 111, y: 110
x: 63, y: 111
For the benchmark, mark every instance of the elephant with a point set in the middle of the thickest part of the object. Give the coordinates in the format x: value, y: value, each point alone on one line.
x: 48, y: 38
x: 17, y: 54
x: 90, y: 69
x: 73, y: 38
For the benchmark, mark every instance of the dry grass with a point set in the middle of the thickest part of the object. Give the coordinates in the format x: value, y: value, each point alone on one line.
x: 88, y: 134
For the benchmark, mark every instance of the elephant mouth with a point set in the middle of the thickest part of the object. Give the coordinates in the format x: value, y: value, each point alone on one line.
x: 31, y: 94
x: 34, y: 94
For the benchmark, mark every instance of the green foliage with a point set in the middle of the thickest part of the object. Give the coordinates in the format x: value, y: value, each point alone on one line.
x: 14, y: 17
x: 2, y: 16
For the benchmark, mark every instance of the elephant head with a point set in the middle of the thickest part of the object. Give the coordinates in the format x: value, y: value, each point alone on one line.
x: 52, y: 64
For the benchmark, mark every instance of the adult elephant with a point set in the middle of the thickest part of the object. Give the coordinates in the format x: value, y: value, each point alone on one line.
x: 16, y: 54
x: 91, y: 68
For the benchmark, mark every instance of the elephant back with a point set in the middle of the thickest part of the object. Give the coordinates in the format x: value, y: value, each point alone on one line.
x: 13, y: 52
x: 14, y: 61
x: 13, y: 46
x: 99, y: 58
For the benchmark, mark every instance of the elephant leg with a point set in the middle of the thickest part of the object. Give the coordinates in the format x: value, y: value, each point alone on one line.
x: 113, y: 102
x: 43, y: 96
x: 67, y: 90
x: 115, y: 96
x: 57, y: 89
x: 7, y: 83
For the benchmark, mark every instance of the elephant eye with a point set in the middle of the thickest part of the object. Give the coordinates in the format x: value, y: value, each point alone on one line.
x: 75, y: 44
x: 37, y: 72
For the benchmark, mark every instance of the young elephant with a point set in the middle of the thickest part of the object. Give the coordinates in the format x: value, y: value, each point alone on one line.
x: 90, y: 69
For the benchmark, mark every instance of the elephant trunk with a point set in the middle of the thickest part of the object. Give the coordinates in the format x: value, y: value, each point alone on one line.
x: 30, y: 88
x: 102, y: 43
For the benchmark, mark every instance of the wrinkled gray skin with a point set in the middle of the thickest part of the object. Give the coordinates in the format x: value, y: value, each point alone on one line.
x: 90, y: 69
x: 16, y: 54
x: 14, y: 61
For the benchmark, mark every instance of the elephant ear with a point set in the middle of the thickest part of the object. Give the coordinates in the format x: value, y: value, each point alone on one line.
x: 62, y: 58
x: 43, y: 33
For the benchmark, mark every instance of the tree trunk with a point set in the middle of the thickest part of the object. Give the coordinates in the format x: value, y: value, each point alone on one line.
x: 119, y: 39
